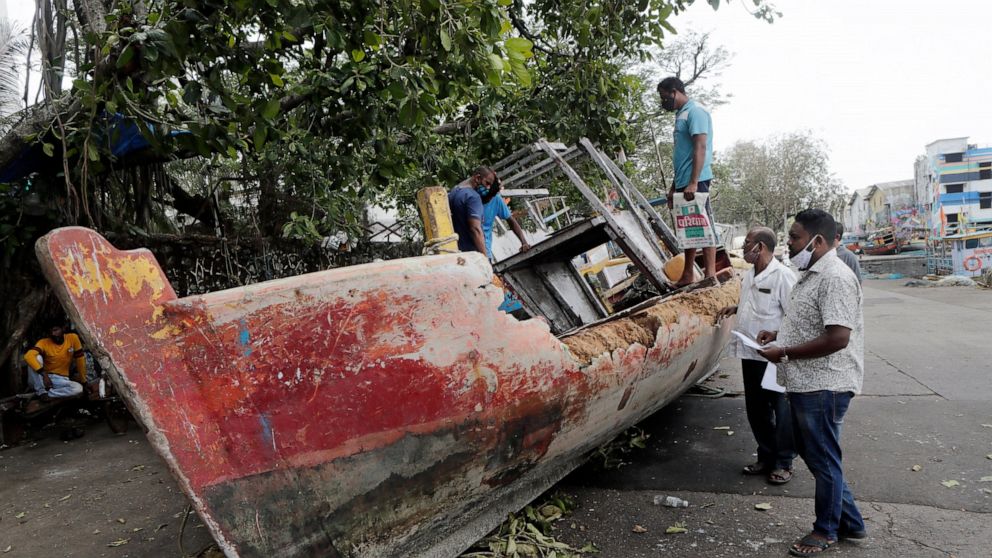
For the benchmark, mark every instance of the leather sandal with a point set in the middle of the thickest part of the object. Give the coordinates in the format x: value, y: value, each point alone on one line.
x: 780, y: 476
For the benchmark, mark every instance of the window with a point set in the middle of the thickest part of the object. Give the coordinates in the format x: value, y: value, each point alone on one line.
x: 953, y: 157
x: 985, y: 200
x: 971, y: 244
x: 954, y: 188
x: 984, y: 171
x: 952, y: 218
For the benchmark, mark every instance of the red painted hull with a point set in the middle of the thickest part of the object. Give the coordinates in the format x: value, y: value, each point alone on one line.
x: 380, y: 410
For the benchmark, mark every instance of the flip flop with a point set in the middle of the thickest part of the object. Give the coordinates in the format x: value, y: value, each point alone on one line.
x: 819, y: 545
x: 756, y: 468
x: 780, y: 476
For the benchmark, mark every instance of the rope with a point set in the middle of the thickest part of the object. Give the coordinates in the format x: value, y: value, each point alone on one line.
x: 433, y: 247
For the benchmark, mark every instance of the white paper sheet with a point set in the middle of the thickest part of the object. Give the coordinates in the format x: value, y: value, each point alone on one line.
x: 769, y: 380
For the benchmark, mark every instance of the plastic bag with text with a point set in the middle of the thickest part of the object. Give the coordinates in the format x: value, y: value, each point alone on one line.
x: 693, y: 222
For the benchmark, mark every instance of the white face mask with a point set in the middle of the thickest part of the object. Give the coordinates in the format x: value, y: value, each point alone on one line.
x: 801, y: 260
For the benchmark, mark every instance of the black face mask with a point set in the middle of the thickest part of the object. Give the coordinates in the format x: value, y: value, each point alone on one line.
x: 668, y: 103
x: 490, y: 192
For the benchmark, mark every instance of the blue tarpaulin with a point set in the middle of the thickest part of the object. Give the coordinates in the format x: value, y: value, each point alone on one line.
x: 125, y: 138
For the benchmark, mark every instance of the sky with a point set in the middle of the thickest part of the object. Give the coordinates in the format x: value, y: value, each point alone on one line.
x: 877, y: 80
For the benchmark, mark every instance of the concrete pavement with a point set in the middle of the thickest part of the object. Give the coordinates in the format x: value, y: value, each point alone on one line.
x: 926, y: 402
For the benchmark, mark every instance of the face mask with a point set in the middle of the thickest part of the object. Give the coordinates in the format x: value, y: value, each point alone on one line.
x: 801, y: 260
x: 752, y: 256
x: 668, y: 103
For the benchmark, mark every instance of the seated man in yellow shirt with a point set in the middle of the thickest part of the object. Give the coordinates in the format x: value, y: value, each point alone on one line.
x: 49, y: 375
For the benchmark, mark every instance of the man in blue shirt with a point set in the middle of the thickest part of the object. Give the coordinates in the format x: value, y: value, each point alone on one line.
x: 494, y: 208
x: 465, y: 202
x: 691, y: 158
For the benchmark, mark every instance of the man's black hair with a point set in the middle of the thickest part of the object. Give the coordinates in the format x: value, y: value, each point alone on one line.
x: 671, y: 84
x: 818, y: 222
x: 483, y: 171
x: 840, y: 229
x: 765, y: 236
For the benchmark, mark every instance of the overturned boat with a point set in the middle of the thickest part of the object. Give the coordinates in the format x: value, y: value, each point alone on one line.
x: 386, y: 409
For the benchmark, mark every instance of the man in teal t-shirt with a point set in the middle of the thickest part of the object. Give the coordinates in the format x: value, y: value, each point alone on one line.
x: 692, y: 156
x: 494, y: 208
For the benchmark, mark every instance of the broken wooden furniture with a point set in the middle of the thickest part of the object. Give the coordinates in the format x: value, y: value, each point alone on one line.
x: 379, y: 410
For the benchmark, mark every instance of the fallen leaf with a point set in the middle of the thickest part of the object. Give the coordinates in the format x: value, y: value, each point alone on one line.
x: 989, y: 456
x: 639, y: 529
x: 160, y: 527
x: 730, y: 433
x: 47, y: 505
x: 121, y: 520
x: 987, y: 490
x: 721, y: 428
x: 764, y: 506
x: 64, y: 498
x: 950, y: 483
x: 985, y: 479
x: 987, y: 425
x: 118, y: 542
x: 676, y: 529
x: 6, y: 550
x: 138, y: 468
x: 916, y: 468
x: 21, y: 515
x: 96, y: 531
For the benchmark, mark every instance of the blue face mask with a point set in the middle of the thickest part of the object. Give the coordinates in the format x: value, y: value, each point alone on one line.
x: 482, y: 189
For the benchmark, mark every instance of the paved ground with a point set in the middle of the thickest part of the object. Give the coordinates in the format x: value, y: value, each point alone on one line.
x: 927, y: 397
x: 926, y: 402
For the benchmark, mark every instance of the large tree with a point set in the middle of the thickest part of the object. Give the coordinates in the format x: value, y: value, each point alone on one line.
x: 764, y: 182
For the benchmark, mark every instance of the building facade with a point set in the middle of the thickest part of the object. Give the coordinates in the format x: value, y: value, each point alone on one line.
x: 956, y: 179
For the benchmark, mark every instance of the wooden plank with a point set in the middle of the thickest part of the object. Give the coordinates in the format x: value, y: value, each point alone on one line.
x: 522, y: 192
x: 541, y: 168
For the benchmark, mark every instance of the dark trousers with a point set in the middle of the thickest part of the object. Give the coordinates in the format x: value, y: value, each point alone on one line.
x: 819, y: 416
x: 769, y: 416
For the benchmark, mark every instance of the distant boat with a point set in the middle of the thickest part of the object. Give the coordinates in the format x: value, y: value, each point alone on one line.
x: 883, y: 242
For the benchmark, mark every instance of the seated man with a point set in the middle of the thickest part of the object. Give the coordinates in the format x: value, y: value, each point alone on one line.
x: 49, y: 375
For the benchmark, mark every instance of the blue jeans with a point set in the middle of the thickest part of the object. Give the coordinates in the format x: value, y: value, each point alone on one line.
x: 61, y: 386
x: 817, y: 420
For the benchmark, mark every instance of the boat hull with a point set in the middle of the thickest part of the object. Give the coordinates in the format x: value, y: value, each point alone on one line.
x: 387, y: 409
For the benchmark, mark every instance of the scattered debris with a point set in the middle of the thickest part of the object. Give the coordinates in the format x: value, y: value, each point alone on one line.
x: 121, y: 520
x: 21, y: 515
x: 6, y: 550
x: 721, y: 428
x: 528, y: 533
x: 676, y: 529
x: 987, y: 425
x: 730, y: 433
x: 949, y: 281
x: 610, y: 455
x: 763, y: 506
x: 950, y: 483
x: 985, y: 479
x: 916, y: 468
x: 989, y: 456
x: 137, y: 468
x: 670, y: 502
x: 64, y: 498
x: 96, y: 531
x: 119, y: 542
x: 639, y: 529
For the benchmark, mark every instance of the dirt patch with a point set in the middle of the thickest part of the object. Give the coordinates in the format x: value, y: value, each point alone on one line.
x: 642, y: 326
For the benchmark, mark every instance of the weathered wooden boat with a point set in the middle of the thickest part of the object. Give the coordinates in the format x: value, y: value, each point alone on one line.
x: 378, y: 410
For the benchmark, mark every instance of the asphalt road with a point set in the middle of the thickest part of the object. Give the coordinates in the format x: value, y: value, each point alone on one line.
x: 926, y: 402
